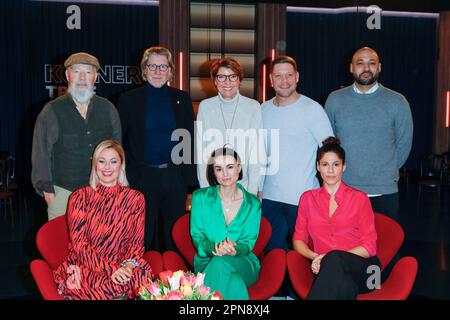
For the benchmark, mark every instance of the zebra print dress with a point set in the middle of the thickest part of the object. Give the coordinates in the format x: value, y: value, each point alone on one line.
x: 106, y: 228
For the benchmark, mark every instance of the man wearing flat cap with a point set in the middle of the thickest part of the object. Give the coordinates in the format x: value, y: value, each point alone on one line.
x: 67, y: 131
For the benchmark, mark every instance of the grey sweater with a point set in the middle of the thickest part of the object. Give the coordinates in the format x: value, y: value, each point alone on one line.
x: 376, y: 132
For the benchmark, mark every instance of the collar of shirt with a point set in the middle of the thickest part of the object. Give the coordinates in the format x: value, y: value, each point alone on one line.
x: 339, y: 193
x: 371, y: 90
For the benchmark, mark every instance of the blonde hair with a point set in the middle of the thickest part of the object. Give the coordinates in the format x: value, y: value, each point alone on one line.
x: 108, y: 144
x: 158, y: 51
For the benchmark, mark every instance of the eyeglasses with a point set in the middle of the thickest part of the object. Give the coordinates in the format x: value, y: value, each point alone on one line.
x: 230, y: 77
x: 153, y: 67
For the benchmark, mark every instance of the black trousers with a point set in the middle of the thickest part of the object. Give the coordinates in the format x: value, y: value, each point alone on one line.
x: 342, y: 276
x: 165, y: 200
x: 387, y: 204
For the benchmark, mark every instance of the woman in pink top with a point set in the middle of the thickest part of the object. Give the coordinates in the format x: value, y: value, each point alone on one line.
x: 335, y: 229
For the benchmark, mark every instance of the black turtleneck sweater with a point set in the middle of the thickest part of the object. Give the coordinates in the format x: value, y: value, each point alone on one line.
x: 159, y: 125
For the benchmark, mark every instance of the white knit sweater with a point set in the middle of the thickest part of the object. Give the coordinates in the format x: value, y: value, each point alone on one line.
x: 214, y: 117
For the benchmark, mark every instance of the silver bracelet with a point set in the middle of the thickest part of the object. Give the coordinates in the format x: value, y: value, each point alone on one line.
x: 132, y: 261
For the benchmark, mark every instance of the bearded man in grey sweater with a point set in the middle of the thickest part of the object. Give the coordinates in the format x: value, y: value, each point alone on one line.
x: 375, y: 127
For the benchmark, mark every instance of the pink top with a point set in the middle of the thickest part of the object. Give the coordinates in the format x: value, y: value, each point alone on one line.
x: 352, y: 224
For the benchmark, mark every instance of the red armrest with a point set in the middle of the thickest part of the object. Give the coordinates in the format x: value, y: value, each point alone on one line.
x: 398, y: 285
x: 271, y: 276
x: 155, y: 260
x: 173, y: 261
x: 43, y: 276
x: 299, y: 269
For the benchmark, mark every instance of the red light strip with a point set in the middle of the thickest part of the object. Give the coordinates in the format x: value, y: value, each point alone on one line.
x: 264, y: 83
x: 443, y: 255
x: 272, y: 56
x: 447, y: 115
x: 181, y: 69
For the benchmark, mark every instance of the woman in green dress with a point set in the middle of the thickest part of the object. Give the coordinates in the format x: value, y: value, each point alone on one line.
x: 225, y: 222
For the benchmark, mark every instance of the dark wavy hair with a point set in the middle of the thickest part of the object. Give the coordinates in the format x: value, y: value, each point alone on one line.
x: 210, y: 167
x: 331, y: 144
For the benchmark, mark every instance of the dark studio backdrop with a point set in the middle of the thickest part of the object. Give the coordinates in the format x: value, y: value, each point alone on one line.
x: 323, y: 44
x: 35, y: 42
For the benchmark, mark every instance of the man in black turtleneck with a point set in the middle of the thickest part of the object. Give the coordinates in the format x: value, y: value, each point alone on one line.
x: 149, y: 116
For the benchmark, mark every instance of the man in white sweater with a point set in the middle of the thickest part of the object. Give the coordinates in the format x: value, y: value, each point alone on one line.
x: 302, y: 125
x: 232, y: 119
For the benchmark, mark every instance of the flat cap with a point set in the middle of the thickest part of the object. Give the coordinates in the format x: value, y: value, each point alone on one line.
x: 82, y: 58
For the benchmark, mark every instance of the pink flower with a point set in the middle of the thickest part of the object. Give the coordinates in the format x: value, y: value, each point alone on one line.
x: 154, y: 289
x: 188, y: 280
x: 203, y: 291
x: 174, y: 295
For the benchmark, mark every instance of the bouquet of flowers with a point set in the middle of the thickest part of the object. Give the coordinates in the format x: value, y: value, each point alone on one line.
x: 179, y: 285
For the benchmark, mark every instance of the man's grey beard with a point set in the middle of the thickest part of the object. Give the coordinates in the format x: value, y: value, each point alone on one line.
x: 81, y: 96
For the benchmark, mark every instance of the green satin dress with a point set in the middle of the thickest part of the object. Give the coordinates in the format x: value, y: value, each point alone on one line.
x: 230, y: 275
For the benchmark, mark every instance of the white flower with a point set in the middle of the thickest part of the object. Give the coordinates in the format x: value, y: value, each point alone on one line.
x: 199, y: 280
x: 174, y: 281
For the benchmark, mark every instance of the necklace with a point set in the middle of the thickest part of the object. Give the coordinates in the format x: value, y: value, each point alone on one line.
x: 233, y: 196
x: 227, y: 205
x: 232, y: 119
